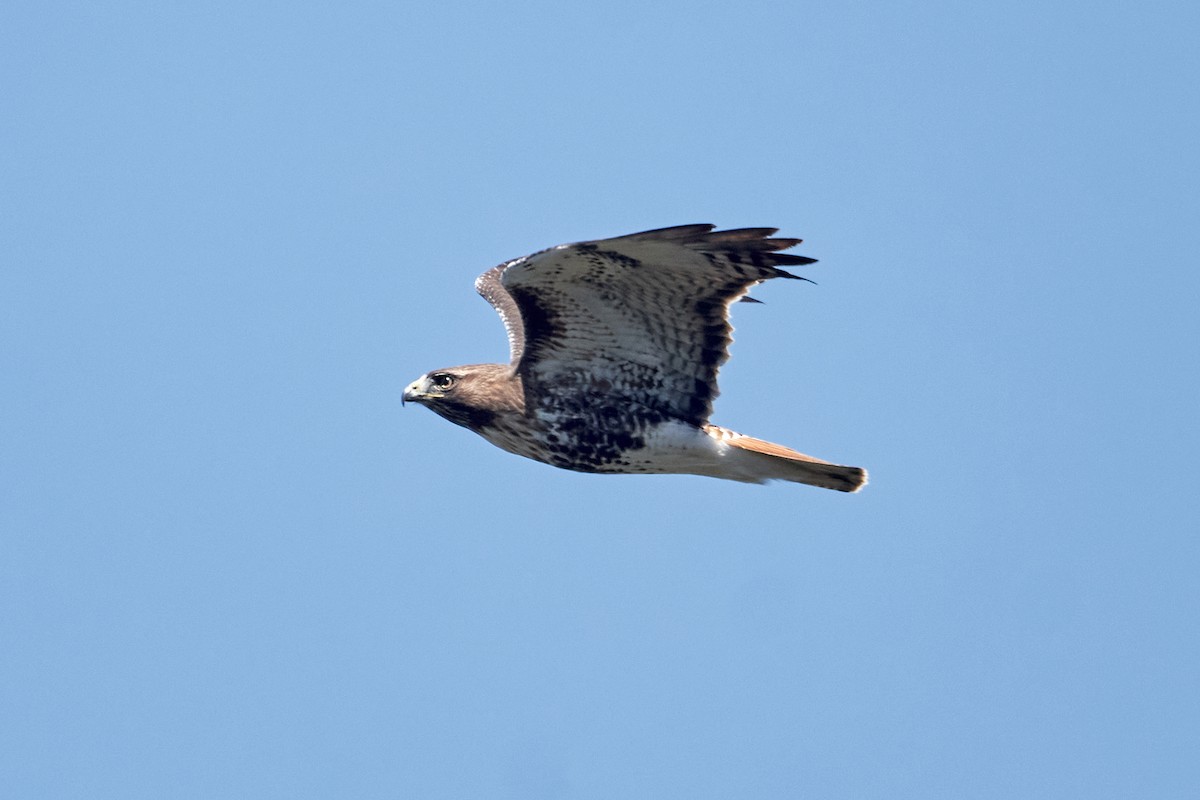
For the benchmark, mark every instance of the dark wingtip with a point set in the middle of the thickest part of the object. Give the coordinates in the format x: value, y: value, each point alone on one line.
x: 780, y: 273
x: 792, y: 260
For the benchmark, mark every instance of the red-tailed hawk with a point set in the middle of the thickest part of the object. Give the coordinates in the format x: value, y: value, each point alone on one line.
x: 615, y: 349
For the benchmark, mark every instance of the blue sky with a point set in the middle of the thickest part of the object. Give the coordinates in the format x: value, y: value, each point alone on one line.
x: 232, y: 566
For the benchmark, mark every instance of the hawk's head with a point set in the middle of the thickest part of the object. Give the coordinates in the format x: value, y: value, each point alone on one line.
x: 470, y: 396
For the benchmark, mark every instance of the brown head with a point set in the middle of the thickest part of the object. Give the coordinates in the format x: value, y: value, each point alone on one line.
x: 470, y: 396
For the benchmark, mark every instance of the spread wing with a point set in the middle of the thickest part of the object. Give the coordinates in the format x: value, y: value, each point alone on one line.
x: 639, y: 322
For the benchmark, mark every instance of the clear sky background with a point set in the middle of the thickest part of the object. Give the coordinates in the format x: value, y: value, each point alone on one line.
x: 231, y: 566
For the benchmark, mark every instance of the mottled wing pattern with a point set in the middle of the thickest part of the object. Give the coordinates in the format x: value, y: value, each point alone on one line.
x: 637, y: 324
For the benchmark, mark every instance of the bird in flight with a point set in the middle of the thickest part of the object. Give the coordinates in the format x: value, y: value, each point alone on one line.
x: 615, y: 346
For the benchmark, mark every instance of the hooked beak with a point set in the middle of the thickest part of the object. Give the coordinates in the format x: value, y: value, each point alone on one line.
x: 415, y: 391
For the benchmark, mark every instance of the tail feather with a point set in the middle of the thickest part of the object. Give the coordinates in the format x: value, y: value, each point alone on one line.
x: 775, y: 462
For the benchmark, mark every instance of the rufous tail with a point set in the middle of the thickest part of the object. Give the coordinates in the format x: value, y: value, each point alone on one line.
x: 776, y: 462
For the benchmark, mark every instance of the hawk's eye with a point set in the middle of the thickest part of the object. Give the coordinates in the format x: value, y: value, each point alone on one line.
x: 442, y: 381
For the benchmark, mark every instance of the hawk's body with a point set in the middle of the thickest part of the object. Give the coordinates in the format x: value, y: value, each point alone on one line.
x: 615, y: 349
